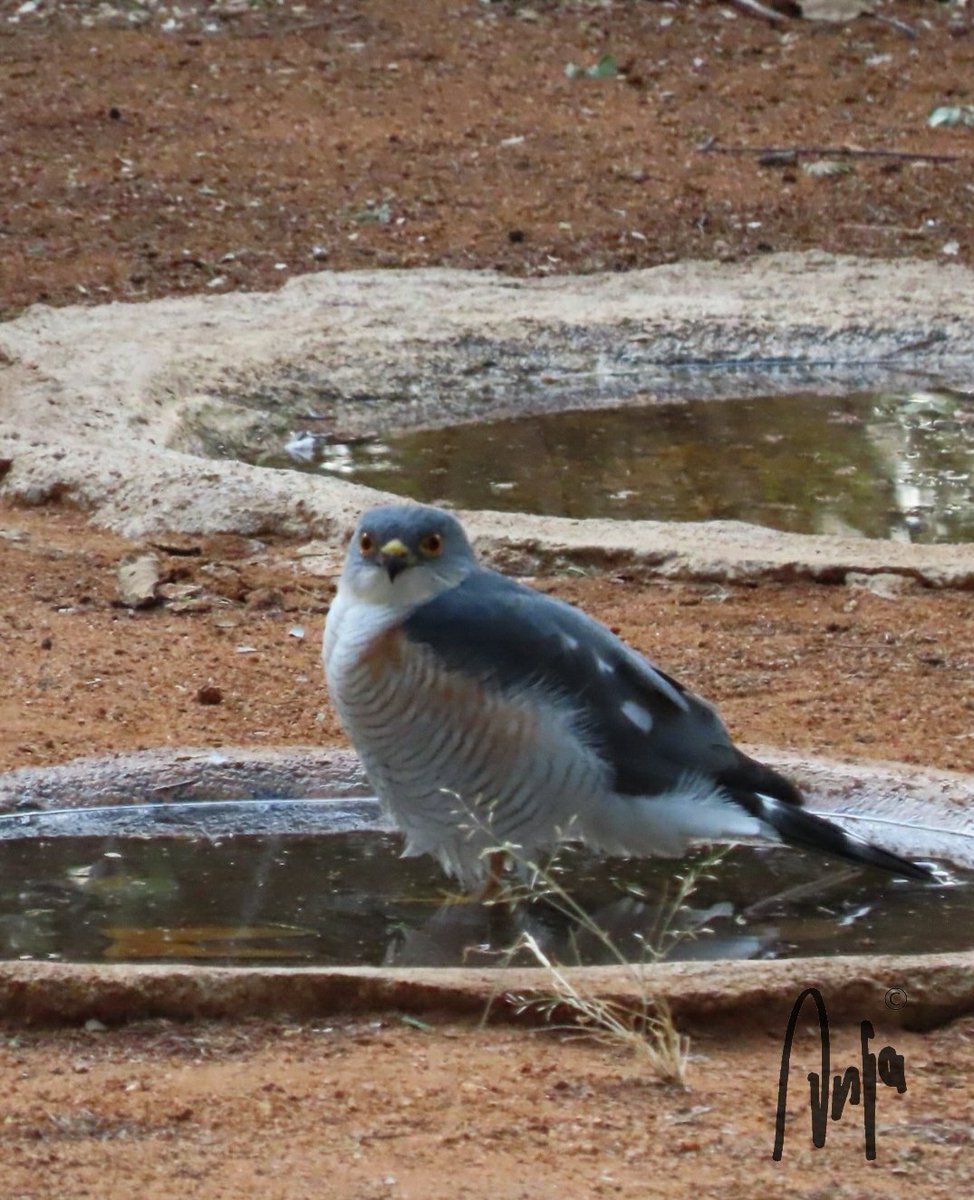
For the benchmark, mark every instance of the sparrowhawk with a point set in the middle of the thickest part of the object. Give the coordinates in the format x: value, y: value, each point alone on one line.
x: 487, y: 715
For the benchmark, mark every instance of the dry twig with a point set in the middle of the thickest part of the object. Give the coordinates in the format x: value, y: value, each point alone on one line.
x: 710, y: 147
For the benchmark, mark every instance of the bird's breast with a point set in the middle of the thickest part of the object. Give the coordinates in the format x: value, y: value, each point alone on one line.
x: 426, y: 733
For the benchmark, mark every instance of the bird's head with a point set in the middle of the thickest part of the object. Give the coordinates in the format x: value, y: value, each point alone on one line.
x: 405, y: 554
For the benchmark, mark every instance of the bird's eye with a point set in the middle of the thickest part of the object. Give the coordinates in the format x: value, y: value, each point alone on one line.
x: 432, y: 545
x: 365, y: 543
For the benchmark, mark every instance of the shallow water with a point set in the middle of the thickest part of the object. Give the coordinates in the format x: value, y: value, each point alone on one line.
x: 224, y: 895
x: 880, y: 465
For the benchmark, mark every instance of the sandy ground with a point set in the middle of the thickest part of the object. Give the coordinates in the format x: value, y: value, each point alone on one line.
x: 231, y: 657
x: 229, y: 145
x: 185, y: 159
x: 377, y: 1109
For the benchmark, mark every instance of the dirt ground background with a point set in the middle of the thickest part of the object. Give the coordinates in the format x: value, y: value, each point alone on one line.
x: 232, y: 656
x: 152, y: 150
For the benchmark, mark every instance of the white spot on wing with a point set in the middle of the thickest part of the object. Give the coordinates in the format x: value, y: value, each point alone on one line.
x: 603, y: 666
x: 638, y: 715
x: 570, y: 642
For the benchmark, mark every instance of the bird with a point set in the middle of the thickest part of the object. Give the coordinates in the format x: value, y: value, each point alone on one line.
x: 489, y: 717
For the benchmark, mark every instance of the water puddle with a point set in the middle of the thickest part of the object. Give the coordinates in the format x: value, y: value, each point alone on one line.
x: 321, y: 884
x: 880, y: 465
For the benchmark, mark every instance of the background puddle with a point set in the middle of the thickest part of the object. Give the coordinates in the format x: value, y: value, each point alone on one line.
x: 875, y: 464
x: 311, y: 898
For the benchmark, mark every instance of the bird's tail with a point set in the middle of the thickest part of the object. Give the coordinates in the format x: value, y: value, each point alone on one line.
x: 799, y: 827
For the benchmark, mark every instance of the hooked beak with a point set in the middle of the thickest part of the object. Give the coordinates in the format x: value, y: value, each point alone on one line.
x: 395, y: 558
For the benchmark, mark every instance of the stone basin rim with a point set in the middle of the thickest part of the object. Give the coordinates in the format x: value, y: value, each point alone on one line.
x: 909, y: 991
x: 901, y: 798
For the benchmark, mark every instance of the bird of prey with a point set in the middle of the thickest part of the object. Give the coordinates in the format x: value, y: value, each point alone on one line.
x: 489, y: 715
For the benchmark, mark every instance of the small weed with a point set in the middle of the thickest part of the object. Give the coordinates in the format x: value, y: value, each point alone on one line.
x: 644, y: 1024
x: 372, y: 214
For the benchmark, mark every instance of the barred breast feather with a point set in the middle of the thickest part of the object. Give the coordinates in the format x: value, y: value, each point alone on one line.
x: 461, y: 767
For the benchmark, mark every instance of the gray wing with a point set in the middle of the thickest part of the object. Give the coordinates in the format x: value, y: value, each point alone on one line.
x: 646, y: 726
x: 649, y: 730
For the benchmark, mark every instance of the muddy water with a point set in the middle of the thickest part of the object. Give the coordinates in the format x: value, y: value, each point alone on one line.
x: 878, y: 465
x: 226, y: 895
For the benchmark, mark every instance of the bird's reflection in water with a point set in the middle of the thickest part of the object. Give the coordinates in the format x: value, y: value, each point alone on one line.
x: 624, y: 929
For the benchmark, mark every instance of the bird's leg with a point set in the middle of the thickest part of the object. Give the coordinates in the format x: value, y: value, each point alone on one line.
x: 495, y: 876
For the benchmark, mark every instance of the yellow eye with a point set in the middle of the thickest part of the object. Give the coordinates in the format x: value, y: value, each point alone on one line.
x: 365, y: 543
x: 432, y: 545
